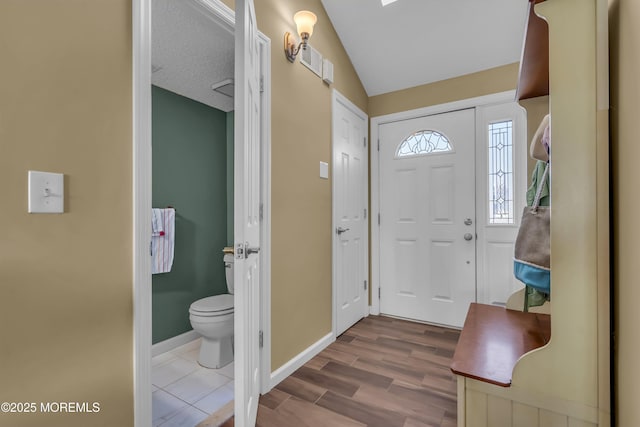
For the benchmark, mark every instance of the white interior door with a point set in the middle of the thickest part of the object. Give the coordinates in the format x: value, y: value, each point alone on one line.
x: 350, y: 243
x: 427, y: 217
x: 247, y: 214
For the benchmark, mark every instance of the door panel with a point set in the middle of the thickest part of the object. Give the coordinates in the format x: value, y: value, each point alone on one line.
x: 350, y: 225
x: 246, y: 215
x: 427, y: 268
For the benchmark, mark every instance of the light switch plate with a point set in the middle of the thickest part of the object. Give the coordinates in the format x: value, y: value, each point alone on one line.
x: 324, y: 170
x: 46, y: 192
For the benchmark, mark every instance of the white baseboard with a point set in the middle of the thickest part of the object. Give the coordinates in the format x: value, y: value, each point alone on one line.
x: 175, y: 342
x: 289, y: 368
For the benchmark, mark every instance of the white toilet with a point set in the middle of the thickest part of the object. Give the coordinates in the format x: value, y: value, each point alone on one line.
x: 212, y: 317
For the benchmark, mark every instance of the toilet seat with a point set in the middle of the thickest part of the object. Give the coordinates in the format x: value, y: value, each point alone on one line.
x: 217, y: 305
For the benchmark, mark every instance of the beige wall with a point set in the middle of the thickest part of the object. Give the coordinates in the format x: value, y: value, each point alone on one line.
x: 625, y: 128
x: 66, y: 304
x: 486, y: 82
x: 301, y: 202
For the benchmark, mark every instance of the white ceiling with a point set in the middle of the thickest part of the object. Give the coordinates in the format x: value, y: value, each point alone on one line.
x: 413, y: 42
x: 404, y: 44
x: 192, y: 51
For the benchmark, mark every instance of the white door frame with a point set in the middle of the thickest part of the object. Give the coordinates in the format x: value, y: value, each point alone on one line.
x: 376, y: 122
x: 141, y: 174
x: 336, y: 98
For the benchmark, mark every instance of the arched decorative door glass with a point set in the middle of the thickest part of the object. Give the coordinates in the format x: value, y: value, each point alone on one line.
x: 424, y: 142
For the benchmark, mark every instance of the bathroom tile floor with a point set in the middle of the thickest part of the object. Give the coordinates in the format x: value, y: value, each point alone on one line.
x: 185, y: 393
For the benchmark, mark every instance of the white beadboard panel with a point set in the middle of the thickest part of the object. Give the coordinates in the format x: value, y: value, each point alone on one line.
x: 476, y: 408
x: 516, y: 394
x: 553, y: 419
x: 525, y: 415
x: 462, y: 401
x: 480, y: 409
x: 573, y: 422
x: 498, y: 411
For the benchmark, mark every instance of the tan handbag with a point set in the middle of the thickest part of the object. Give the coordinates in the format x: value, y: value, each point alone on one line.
x: 532, y: 258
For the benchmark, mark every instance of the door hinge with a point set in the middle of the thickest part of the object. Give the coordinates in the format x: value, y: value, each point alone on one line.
x: 365, y: 213
x: 261, y: 211
x: 260, y: 339
x: 261, y: 84
x: 378, y: 219
x: 379, y: 289
x: 378, y: 145
x: 364, y: 139
x: 365, y: 285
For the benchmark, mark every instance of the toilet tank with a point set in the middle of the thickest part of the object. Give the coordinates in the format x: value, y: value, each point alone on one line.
x: 228, y: 269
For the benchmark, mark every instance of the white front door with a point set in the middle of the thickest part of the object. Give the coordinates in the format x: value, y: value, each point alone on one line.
x: 247, y: 214
x: 427, y: 215
x: 350, y: 243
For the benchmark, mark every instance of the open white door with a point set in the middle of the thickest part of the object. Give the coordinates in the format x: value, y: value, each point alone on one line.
x: 247, y: 214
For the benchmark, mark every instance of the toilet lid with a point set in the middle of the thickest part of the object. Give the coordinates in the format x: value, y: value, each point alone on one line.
x: 216, y: 303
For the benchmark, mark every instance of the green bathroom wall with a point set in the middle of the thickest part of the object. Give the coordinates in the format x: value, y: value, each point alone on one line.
x: 189, y: 173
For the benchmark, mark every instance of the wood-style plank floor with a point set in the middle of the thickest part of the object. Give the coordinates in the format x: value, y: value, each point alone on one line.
x: 382, y: 372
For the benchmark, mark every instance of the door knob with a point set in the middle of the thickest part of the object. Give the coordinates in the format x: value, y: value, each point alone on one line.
x: 468, y: 236
x: 244, y: 250
x: 468, y: 221
x: 341, y: 230
x: 252, y: 250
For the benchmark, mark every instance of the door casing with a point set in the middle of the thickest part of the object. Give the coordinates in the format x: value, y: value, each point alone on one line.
x: 141, y: 52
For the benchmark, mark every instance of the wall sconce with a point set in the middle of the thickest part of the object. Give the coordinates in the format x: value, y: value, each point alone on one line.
x: 305, y: 21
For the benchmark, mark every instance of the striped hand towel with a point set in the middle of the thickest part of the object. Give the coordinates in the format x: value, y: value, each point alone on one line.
x: 162, y: 240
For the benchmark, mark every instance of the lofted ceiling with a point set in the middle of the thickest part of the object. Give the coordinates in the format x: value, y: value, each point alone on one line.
x: 404, y: 44
x: 413, y: 42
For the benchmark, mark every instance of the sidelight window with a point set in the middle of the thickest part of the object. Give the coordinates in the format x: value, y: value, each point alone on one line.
x: 501, y: 172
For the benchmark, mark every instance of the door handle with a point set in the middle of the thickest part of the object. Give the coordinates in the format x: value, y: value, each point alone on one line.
x: 250, y: 250
x: 468, y: 236
x: 243, y: 251
x: 341, y: 230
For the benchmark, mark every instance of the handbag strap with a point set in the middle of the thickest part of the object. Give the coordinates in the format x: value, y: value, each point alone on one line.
x: 536, y: 201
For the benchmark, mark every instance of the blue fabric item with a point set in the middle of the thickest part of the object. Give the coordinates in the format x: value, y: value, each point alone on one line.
x: 535, y: 277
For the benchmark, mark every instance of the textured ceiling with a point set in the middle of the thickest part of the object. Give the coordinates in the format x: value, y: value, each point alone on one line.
x: 190, y: 52
x: 413, y: 42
